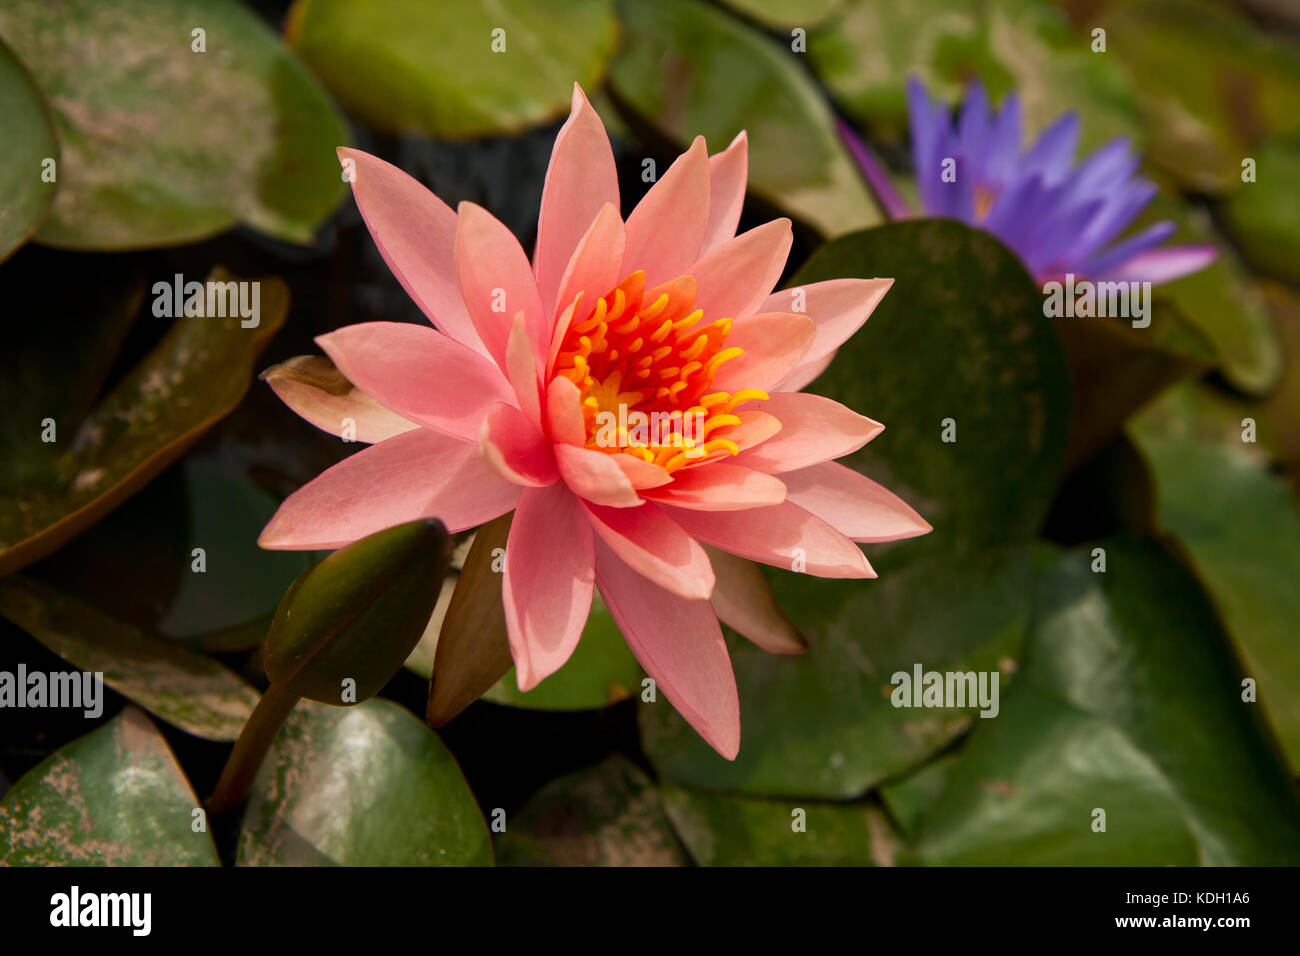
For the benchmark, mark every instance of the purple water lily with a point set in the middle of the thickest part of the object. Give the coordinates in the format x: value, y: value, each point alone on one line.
x: 1058, y: 217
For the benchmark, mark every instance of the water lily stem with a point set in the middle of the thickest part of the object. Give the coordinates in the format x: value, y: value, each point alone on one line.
x: 250, y: 750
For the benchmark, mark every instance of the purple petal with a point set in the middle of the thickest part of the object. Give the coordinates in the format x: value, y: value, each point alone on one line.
x: 1114, y: 218
x: 1053, y: 154
x: 974, y: 130
x: 1151, y: 236
x: 1107, y: 167
x: 1004, y: 145
x: 925, y: 123
x: 1165, y: 265
x: 874, y: 173
x: 1047, y: 249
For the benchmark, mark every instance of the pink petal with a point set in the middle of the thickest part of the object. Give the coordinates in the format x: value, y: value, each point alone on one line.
x: 744, y: 602
x: 415, y: 232
x: 497, y: 282
x: 521, y: 370
x: 667, y: 226
x: 417, y: 474
x: 595, y: 266
x: 642, y: 474
x: 721, y: 487
x: 550, y: 568
x: 656, y: 547
x: 515, y: 449
x: 1165, y: 264
x: 564, y: 413
x: 774, y: 344
x: 805, y: 374
x: 680, y: 645
x: 784, y: 536
x: 594, y: 476
x: 854, y: 504
x: 419, y: 373
x: 756, y: 426
x: 737, y: 275
x: 838, y: 306
x: 580, y: 179
x: 813, y: 429
x: 728, y: 176
x: 371, y: 422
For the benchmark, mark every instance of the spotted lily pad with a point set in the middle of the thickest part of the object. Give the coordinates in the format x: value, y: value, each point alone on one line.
x: 965, y: 372
x: 607, y: 815
x: 691, y: 69
x: 26, y: 126
x: 176, y: 120
x: 823, y: 724
x: 115, y: 797
x: 1131, y: 703
x: 183, y: 687
x: 194, y: 376
x: 722, y: 830
x: 369, y: 785
x: 455, y: 68
x: 867, y: 53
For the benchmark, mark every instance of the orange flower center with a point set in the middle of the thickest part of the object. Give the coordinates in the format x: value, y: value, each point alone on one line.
x: 644, y: 364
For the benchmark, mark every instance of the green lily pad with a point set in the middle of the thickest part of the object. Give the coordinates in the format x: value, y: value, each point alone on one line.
x: 606, y: 815
x: 908, y: 799
x: 960, y: 338
x: 690, y: 69
x: 1222, y: 301
x: 444, y: 69
x: 162, y: 144
x: 361, y: 786
x: 602, y: 671
x: 1131, y: 702
x: 722, y: 830
x: 1242, y: 529
x: 25, y: 125
x: 1263, y: 217
x: 1025, y: 791
x: 180, y: 685
x: 786, y: 14
x: 115, y: 797
x: 867, y: 54
x: 822, y: 725
x: 1201, y: 123
x: 194, y: 376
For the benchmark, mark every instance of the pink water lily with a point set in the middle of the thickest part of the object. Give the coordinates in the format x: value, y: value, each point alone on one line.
x: 523, y: 397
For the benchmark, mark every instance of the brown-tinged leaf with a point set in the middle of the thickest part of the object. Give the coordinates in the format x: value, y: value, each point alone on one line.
x: 192, y: 378
x: 185, y: 688
x: 473, y: 649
